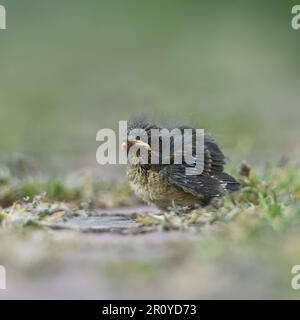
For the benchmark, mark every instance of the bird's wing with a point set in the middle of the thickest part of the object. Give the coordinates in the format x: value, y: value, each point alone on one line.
x: 214, y: 159
x: 200, y: 185
x: 212, y: 182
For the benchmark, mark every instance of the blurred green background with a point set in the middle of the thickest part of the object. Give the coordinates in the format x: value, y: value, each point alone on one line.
x: 69, y: 68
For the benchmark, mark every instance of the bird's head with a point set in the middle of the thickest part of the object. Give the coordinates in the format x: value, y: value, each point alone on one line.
x: 138, y: 151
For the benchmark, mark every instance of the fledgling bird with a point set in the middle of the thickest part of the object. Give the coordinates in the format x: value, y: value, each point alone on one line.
x: 167, y: 185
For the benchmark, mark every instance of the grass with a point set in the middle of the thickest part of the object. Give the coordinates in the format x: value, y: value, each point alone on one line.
x: 268, y: 200
x: 23, y: 183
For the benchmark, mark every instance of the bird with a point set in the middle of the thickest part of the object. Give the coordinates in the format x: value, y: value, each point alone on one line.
x: 167, y: 185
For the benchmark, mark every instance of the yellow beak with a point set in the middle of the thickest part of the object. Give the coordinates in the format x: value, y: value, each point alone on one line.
x: 139, y: 143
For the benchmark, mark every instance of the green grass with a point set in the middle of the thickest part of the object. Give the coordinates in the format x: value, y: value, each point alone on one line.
x: 78, y: 189
x: 268, y: 203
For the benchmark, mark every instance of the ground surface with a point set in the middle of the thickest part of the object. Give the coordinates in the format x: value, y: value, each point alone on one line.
x: 117, y: 248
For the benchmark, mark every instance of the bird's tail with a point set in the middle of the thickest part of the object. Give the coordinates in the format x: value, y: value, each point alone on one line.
x: 229, y: 183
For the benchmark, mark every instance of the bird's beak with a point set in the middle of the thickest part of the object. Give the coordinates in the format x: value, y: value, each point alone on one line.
x: 129, y: 143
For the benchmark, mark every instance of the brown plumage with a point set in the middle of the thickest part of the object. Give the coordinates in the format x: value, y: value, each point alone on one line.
x: 167, y: 185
